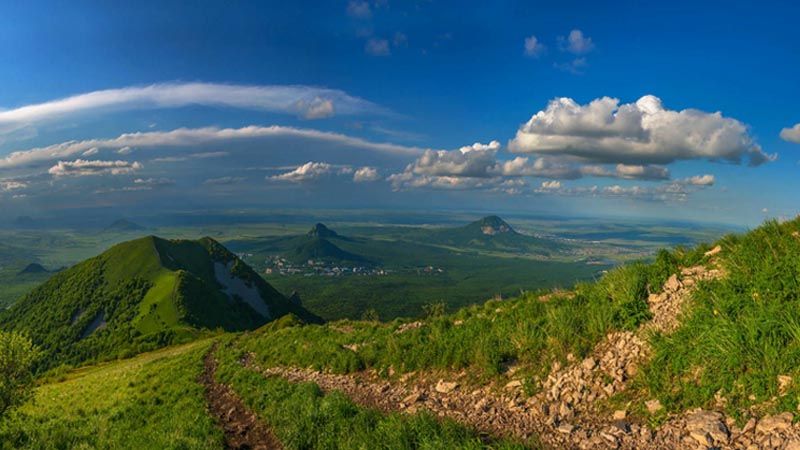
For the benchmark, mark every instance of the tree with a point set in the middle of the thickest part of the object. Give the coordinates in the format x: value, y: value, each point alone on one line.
x: 17, y: 357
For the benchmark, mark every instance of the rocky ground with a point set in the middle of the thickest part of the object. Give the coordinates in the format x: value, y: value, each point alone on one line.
x: 243, y: 430
x: 566, y: 412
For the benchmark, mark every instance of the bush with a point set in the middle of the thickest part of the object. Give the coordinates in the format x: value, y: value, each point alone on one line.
x: 17, y: 357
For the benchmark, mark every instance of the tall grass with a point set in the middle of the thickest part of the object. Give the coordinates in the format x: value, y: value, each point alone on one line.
x: 743, y: 330
x: 486, y: 338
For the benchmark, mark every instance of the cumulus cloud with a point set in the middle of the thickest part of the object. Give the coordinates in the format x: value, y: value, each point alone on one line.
x: 533, y: 47
x: 82, y: 167
x: 312, y: 171
x: 307, y: 101
x: 635, y: 133
x: 377, y: 47
x: 189, y: 137
x: 366, y: 174
x: 576, y: 43
x: 791, y: 134
x: 641, y: 172
x: 575, y: 66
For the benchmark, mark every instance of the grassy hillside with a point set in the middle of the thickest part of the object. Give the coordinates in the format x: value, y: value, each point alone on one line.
x: 151, y: 401
x: 143, y: 294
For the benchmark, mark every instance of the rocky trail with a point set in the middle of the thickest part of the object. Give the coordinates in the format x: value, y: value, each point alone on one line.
x: 242, y: 429
x: 567, y: 412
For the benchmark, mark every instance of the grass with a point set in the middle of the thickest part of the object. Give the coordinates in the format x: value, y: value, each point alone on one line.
x: 483, y: 338
x: 742, y: 333
x: 302, y: 417
x: 151, y: 401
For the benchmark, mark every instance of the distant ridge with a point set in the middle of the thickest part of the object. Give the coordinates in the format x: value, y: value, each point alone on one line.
x: 122, y: 225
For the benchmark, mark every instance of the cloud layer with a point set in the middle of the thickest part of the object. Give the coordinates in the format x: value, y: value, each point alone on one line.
x: 305, y: 101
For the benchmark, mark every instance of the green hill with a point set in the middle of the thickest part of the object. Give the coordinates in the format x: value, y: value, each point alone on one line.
x: 143, y: 294
x: 321, y: 231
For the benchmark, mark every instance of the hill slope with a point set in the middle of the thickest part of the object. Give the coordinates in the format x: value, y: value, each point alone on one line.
x: 143, y: 294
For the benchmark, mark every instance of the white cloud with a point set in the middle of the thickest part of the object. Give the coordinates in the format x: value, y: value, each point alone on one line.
x: 189, y: 137
x: 635, y: 133
x: 365, y: 174
x: 82, y: 167
x: 791, y: 134
x: 318, y: 108
x: 553, y: 184
x: 699, y: 180
x: 153, y: 182
x: 92, y: 151
x: 377, y: 47
x: 306, y: 101
x: 12, y: 185
x: 576, y: 43
x: 312, y: 171
x: 533, y: 47
x: 223, y: 181
x: 359, y: 9
x: 125, y: 151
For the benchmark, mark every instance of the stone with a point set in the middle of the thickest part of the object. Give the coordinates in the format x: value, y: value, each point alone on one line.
x: 792, y: 445
x: 513, y: 384
x: 412, y: 398
x: 784, y: 382
x: 623, y: 425
x: 446, y: 387
x: 713, y: 251
x: 620, y: 414
x: 589, y: 363
x: 777, y: 422
x: 709, y: 424
x: 653, y: 406
x: 566, y: 428
x: 672, y: 284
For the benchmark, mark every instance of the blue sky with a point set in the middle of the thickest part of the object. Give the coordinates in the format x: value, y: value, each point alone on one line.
x: 378, y: 103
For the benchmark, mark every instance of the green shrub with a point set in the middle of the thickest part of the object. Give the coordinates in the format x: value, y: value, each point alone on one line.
x: 17, y: 357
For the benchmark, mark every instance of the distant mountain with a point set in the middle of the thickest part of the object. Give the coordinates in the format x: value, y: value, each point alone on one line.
x: 33, y: 268
x: 143, y: 294
x: 321, y: 231
x: 123, y: 225
x: 493, y: 233
x: 490, y: 226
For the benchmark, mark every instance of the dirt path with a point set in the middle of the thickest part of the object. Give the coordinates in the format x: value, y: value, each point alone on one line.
x: 243, y: 430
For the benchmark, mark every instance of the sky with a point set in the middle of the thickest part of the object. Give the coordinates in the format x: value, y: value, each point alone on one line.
x: 660, y: 110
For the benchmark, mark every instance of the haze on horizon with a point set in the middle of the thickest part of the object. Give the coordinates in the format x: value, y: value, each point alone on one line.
x: 676, y: 111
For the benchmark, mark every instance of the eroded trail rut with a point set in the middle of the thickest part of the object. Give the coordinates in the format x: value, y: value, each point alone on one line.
x: 243, y: 430
x: 566, y: 413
